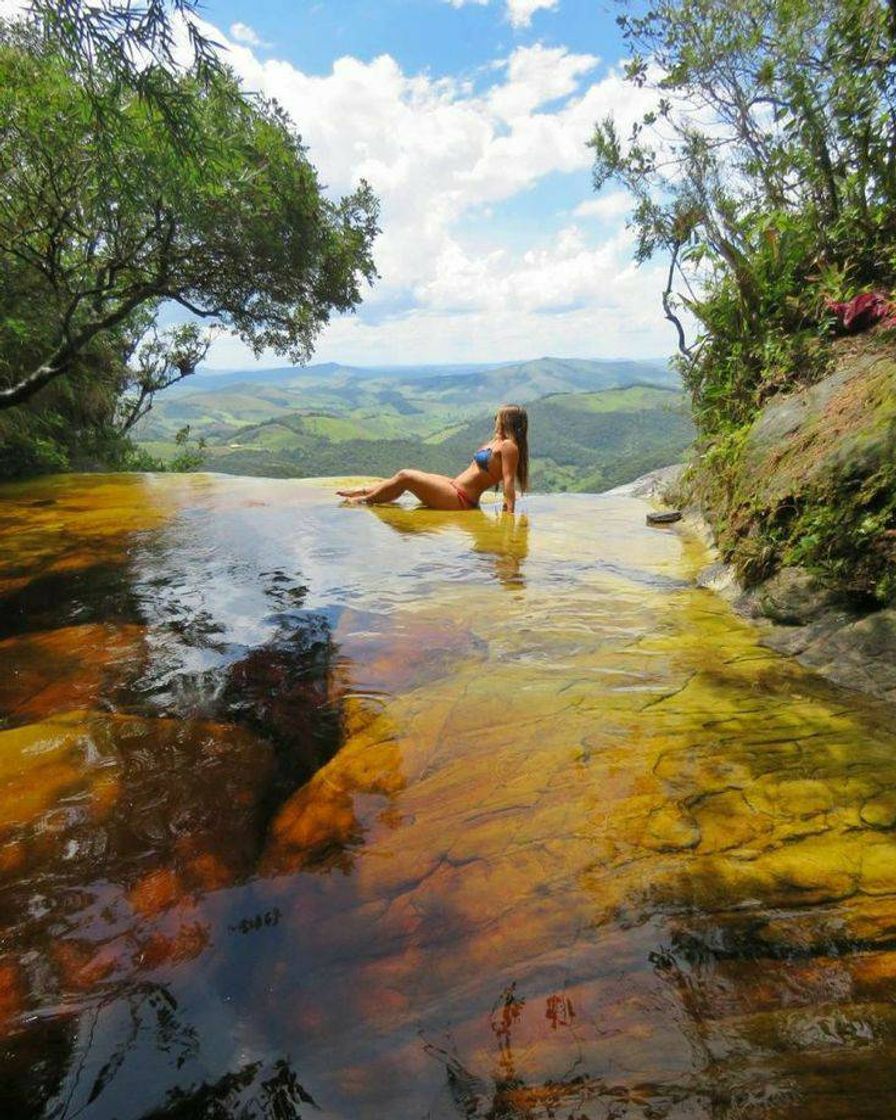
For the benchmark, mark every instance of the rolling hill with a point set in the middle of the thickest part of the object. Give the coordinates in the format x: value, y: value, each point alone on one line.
x: 394, y: 403
x: 593, y: 424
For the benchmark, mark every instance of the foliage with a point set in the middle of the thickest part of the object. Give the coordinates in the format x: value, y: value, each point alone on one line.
x: 128, y: 37
x: 159, y: 360
x: 767, y: 171
x: 94, y: 228
x: 71, y: 424
x: 824, y: 496
x: 135, y: 45
x: 767, y: 168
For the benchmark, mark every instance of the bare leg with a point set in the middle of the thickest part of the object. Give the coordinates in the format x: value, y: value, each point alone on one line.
x: 433, y: 490
x: 363, y: 492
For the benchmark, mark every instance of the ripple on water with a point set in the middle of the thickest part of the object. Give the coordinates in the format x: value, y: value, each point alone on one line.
x: 417, y: 814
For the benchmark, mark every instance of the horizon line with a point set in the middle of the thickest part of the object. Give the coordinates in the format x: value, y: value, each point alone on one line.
x: 428, y: 365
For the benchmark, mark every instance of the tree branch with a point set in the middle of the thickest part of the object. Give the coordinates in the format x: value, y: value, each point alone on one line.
x: 61, y: 358
x: 667, y: 303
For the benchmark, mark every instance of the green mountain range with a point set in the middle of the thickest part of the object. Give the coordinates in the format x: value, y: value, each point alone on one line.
x: 593, y: 424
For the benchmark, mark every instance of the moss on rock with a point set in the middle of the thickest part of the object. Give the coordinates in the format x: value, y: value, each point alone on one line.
x: 811, y: 482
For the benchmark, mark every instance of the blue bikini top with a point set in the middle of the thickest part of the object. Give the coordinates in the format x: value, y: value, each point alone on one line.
x: 482, y: 458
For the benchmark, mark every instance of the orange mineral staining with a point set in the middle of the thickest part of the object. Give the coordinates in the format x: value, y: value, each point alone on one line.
x: 157, y: 891
x: 320, y: 820
x: 60, y: 670
x: 104, y: 794
x: 12, y: 994
x: 185, y: 944
x: 208, y: 872
x: 82, y: 966
x: 317, y: 820
x: 12, y: 857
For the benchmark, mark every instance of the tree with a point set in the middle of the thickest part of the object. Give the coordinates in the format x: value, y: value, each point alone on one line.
x: 768, y: 171
x: 128, y: 37
x: 767, y: 167
x: 157, y: 361
x: 136, y: 45
x: 102, y: 216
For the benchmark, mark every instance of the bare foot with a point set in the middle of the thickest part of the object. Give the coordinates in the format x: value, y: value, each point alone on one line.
x: 353, y: 493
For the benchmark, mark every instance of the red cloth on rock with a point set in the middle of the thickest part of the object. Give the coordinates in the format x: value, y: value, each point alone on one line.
x: 863, y: 311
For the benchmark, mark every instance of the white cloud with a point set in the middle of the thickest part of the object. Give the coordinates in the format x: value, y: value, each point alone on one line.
x: 243, y: 33
x: 537, y: 75
x: 606, y: 207
x: 457, y: 281
x: 520, y: 12
x: 567, y: 297
x: 445, y: 158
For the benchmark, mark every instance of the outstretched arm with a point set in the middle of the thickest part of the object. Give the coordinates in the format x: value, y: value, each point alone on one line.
x: 509, y: 458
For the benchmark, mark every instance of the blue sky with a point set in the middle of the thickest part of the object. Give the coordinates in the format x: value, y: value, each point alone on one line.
x: 422, y: 35
x: 470, y: 119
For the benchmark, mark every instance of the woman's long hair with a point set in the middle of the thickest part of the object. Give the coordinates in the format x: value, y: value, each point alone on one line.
x: 514, y: 423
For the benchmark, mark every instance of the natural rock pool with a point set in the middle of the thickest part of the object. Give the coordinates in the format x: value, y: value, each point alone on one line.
x: 313, y: 811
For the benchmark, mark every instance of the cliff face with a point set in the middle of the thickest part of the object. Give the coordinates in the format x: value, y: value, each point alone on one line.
x: 830, y: 438
x: 802, y: 504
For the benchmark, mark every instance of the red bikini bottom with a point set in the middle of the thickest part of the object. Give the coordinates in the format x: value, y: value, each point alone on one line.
x: 466, y: 502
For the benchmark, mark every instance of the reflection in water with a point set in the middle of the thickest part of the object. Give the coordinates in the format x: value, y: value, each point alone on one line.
x: 504, y: 538
x: 256, y: 1090
x: 153, y: 733
x: 301, y: 814
x: 505, y: 1092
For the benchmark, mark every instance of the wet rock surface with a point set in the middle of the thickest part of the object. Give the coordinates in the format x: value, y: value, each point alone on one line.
x: 819, y: 627
x: 843, y: 426
x: 826, y: 631
x: 794, y: 597
x: 813, y: 484
x: 533, y: 827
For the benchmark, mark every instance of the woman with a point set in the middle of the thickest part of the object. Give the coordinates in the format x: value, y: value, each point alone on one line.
x: 503, y: 461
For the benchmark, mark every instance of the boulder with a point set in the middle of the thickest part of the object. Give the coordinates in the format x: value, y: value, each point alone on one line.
x: 860, y: 654
x: 794, y: 597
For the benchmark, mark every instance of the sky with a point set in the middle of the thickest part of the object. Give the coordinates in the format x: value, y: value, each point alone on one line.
x: 470, y: 119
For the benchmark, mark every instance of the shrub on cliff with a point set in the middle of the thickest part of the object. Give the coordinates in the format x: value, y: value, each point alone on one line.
x: 767, y: 171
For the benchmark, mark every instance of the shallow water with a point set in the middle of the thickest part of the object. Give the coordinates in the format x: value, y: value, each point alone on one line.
x: 319, y: 811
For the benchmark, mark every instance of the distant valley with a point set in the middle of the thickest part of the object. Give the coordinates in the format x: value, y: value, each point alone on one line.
x: 593, y: 424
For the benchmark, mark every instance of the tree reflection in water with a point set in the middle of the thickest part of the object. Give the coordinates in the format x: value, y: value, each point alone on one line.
x: 113, y: 1038
x: 505, y: 1094
x: 123, y: 818
x: 260, y: 1091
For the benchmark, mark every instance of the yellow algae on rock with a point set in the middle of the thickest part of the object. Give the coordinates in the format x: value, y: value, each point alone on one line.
x: 726, y: 821
x: 819, y: 868
x: 38, y: 763
x: 878, y: 871
x: 60, y: 526
x: 670, y: 828
x: 880, y: 811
